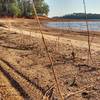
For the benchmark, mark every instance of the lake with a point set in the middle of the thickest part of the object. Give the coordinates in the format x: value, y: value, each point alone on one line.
x: 81, y: 25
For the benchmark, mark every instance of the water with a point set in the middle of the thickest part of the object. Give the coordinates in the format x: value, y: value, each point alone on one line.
x: 93, y: 25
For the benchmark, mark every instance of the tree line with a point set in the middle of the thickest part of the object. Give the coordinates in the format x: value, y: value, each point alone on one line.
x: 80, y: 16
x: 22, y: 8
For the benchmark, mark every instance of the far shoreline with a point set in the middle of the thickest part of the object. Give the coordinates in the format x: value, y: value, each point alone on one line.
x: 68, y: 20
x: 48, y: 19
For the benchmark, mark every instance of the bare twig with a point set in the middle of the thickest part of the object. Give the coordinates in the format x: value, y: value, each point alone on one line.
x: 48, y: 54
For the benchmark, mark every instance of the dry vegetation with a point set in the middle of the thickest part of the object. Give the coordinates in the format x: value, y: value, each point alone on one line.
x: 25, y: 70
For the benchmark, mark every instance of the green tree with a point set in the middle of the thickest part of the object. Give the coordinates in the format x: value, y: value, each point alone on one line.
x: 26, y: 8
x: 45, y: 9
x: 14, y: 10
x: 1, y: 7
x: 41, y: 7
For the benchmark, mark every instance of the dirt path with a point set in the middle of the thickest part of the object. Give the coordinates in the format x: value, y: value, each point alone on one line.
x: 26, y: 89
x: 76, y: 43
x: 7, y: 91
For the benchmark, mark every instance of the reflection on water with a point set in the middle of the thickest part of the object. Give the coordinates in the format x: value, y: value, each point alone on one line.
x: 93, y: 25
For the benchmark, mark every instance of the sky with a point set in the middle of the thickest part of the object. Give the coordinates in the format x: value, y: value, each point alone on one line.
x: 62, y: 7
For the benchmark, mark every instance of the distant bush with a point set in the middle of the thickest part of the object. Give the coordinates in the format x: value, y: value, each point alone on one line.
x: 80, y: 16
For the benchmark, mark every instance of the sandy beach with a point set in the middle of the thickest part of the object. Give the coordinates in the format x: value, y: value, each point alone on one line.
x: 24, y: 62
